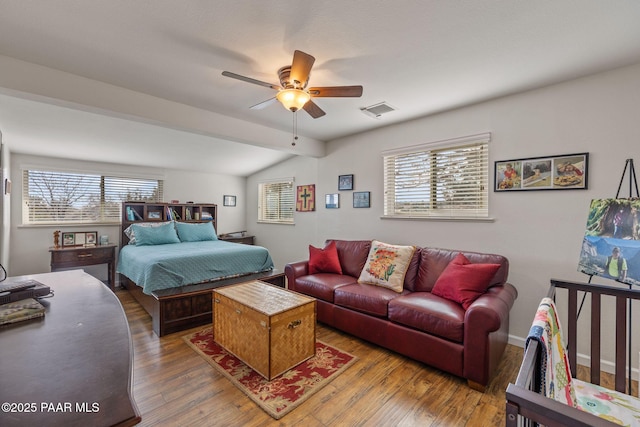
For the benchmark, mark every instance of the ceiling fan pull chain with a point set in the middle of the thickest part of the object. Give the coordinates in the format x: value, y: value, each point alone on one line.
x: 295, y: 129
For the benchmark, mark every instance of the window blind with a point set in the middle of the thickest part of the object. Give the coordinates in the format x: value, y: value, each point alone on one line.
x: 276, y: 201
x: 52, y: 197
x: 447, y: 179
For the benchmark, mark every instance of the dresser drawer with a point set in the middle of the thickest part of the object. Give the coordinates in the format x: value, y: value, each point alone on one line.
x: 91, y: 255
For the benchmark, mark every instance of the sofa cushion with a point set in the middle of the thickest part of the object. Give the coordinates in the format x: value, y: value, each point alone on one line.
x: 463, y: 282
x: 387, y: 265
x: 352, y: 254
x: 412, y: 270
x: 322, y: 285
x: 433, y: 261
x: 367, y: 299
x: 324, y: 260
x: 429, y: 313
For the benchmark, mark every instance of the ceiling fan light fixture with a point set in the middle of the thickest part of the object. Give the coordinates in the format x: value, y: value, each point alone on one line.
x: 293, y: 99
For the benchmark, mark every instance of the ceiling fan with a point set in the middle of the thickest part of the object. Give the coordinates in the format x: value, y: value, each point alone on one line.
x: 293, y: 92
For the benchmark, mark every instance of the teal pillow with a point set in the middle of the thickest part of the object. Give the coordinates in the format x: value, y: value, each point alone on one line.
x: 196, y: 231
x: 160, y: 235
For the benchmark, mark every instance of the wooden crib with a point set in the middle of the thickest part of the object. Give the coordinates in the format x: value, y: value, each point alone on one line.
x: 527, y: 404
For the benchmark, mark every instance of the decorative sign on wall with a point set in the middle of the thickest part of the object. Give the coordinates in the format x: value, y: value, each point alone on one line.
x: 565, y: 172
x: 306, y: 198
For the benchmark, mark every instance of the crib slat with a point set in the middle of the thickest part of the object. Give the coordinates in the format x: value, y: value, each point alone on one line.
x: 572, y: 330
x: 621, y: 343
x: 596, y: 299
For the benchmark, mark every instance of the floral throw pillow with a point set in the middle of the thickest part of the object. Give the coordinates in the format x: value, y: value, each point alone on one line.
x: 386, y: 265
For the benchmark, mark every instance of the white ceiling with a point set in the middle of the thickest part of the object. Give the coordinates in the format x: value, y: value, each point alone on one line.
x: 94, y: 79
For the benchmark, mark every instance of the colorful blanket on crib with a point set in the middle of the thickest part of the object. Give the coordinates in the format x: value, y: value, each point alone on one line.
x: 555, y: 375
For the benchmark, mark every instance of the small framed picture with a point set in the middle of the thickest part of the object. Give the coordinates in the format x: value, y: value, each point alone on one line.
x: 68, y: 239
x: 81, y: 239
x: 345, y: 182
x: 362, y: 199
x: 91, y: 238
x: 228, y: 200
x: 332, y: 201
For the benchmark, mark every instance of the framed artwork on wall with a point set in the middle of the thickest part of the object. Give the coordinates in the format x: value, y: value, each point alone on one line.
x: 306, y: 198
x: 345, y: 182
x: 564, y: 172
x: 332, y: 201
x: 228, y: 200
x: 362, y: 199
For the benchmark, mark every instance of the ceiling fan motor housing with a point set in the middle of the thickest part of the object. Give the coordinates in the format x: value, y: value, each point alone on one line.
x: 284, y: 74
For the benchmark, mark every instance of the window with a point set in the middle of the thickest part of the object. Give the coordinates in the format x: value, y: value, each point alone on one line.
x: 445, y: 179
x: 276, y: 201
x: 66, y: 197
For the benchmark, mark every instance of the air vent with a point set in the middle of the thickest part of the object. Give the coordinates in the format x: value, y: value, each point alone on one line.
x: 377, y: 110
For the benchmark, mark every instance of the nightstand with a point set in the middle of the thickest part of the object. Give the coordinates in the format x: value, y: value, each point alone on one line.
x: 80, y: 256
x: 247, y: 240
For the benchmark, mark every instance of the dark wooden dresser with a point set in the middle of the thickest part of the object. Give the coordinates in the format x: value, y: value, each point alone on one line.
x: 73, y: 257
x: 72, y: 367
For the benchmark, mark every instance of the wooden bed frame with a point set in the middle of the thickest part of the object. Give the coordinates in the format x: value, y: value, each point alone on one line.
x: 526, y: 406
x: 177, y: 309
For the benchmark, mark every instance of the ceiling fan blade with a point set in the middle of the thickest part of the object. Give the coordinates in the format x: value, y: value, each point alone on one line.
x: 336, y: 91
x: 301, y: 67
x: 313, y: 109
x: 264, y: 104
x: 250, y: 80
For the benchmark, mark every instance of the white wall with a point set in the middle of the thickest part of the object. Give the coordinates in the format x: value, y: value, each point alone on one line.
x: 5, y: 203
x: 539, y: 231
x: 29, y: 245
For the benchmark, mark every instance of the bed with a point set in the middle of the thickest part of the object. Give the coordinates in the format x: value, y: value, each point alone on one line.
x: 171, y: 269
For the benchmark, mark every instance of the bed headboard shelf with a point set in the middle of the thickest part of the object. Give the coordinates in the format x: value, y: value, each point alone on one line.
x: 135, y: 212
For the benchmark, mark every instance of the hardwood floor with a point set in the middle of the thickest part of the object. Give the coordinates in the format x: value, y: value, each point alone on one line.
x: 173, y: 386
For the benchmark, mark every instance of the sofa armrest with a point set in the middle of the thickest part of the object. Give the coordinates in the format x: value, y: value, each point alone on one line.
x: 295, y: 270
x: 486, y: 332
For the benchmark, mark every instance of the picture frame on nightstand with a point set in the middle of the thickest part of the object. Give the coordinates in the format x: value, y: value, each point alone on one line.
x: 68, y: 239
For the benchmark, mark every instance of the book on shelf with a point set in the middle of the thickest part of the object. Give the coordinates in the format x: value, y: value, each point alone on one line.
x: 20, y: 310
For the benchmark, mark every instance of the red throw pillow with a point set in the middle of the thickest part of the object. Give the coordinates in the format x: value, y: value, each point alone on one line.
x: 464, y: 282
x: 324, y: 260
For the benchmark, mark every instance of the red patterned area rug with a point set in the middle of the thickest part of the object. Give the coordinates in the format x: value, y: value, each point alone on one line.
x: 284, y: 393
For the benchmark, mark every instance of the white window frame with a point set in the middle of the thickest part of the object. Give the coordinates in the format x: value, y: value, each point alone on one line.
x: 81, y: 197
x: 432, y: 181
x: 281, y: 206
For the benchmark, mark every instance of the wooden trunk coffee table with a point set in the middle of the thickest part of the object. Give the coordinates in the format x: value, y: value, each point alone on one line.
x: 269, y: 328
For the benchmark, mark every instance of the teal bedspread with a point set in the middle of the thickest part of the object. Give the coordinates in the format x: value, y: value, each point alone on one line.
x: 178, y: 264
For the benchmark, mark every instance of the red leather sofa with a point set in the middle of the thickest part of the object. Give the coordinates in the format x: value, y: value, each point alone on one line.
x: 416, y: 323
